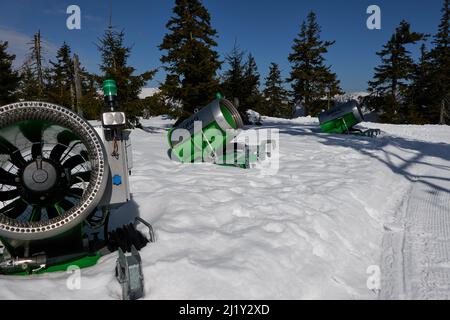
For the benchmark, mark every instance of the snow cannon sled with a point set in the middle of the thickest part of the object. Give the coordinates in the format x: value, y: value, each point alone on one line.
x: 207, y: 136
x: 59, y: 179
x: 343, y: 118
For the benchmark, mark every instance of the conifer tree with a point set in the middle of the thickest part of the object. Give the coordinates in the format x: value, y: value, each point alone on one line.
x: 275, y: 95
x: 233, y: 78
x: 61, y: 84
x: 190, y: 59
x: 441, y: 65
x: 418, y: 103
x: 114, y: 65
x: 9, y: 78
x: 393, y: 76
x: 310, y: 78
x: 252, y: 97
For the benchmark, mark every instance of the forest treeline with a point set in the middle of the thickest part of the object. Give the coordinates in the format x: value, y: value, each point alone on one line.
x: 403, y: 89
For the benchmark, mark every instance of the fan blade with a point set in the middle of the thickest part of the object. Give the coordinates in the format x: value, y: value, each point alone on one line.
x: 9, y: 195
x: 32, y: 130
x: 64, y: 139
x: 66, y: 204
x: 74, y: 161
x: 16, y: 157
x: 85, y: 176
x: 14, y: 209
x: 76, y: 192
x: 36, y: 215
x: 52, y: 212
x: 7, y: 178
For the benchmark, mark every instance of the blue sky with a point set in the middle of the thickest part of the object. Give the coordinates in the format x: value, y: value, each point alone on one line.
x: 265, y: 28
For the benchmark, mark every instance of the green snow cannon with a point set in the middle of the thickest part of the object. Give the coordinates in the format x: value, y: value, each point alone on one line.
x: 190, y: 142
x: 341, y: 119
x: 59, y: 180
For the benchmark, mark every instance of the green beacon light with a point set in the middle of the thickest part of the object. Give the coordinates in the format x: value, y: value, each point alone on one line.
x: 110, y: 94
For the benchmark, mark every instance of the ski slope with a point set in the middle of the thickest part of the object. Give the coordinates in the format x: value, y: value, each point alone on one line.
x: 337, y: 206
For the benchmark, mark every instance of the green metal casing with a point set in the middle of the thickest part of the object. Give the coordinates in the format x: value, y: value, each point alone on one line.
x: 219, y: 116
x: 341, y: 119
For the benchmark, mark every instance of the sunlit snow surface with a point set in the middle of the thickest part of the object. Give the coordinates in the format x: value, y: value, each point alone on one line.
x: 308, y: 232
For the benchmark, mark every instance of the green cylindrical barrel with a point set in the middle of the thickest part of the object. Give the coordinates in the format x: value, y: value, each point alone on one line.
x: 219, y: 115
x: 341, y: 119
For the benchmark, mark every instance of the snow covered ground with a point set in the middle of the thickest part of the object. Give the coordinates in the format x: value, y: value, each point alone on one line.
x: 335, y: 208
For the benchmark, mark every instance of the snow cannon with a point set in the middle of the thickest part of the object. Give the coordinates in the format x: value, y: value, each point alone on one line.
x: 204, y: 136
x: 342, y: 118
x: 59, y: 179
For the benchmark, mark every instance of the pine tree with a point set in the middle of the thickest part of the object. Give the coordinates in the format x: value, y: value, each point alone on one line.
x: 114, y: 65
x: 233, y: 78
x: 392, y: 77
x: 28, y: 91
x: 252, y: 97
x: 441, y: 65
x: 190, y: 60
x: 310, y: 78
x: 419, y: 96
x: 61, y: 86
x: 9, y: 79
x: 91, y: 103
x: 275, y: 95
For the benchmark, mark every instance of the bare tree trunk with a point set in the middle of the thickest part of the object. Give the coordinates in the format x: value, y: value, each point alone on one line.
x: 441, y: 119
x: 38, y: 62
x: 77, y: 80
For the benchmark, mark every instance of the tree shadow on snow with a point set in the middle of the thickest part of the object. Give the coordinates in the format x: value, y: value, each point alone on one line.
x: 378, y: 148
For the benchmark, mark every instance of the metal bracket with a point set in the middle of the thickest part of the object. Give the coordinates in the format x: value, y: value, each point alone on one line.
x: 129, y: 274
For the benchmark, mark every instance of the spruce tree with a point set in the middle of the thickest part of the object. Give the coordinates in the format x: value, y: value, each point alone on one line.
x: 28, y: 90
x: 275, y: 95
x: 190, y: 59
x: 9, y: 78
x: 61, y: 86
x: 91, y: 103
x: 252, y: 97
x: 419, y: 99
x: 441, y: 65
x: 114, y: 65
x: 310, y: 78
x: 233, y: 78
x: 393, y: 76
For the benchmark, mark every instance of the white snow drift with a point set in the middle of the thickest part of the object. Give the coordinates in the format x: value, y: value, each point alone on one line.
x: 309, y: 232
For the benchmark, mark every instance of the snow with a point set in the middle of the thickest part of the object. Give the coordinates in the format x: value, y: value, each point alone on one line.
x: 148, y: 92
x: 309, y: 232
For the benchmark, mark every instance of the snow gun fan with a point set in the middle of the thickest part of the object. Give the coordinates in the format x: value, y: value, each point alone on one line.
x: 343, y: 119
x: 209, y: 136
x: 57, y: 173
